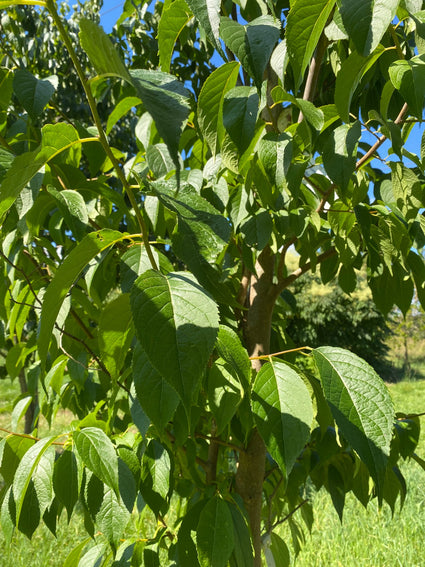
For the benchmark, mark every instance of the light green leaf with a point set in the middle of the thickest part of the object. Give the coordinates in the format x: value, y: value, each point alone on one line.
x: 340, y: 153
x: 14, y: 448
x: 115, y: 333
x: 252, y: 44
x: 157, y: 398
x: 207, y: 12
x: 306, y: 21
x: 366, y: 21
x: 159, y: 160
x: 74, y: 210
x: 112, y: 517
x: 275, y: 153
x: 224, y: 393
x: 73, y: 558
x: 276, y: 551
x: 167, y: 101
x: 121, y: 110
x: 348, y: 79
x: 409, y: 78
x: 313, y: 115
x: 100, y: 50
x: 173, y: 19
x: 19, y: 411
x: 133, y: 263
x: 361, y: 406
x: 35, y: 468
x: 155, y: 477
x: 176, y: 323
x: 240, y: 110
x: 33, y: 93
x: 283, y: 412
x: 97, y: 452
x: 65, y: 276
x: 210, y: 103
x: 214, y: 534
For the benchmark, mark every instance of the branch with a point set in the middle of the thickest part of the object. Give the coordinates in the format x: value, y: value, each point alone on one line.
x: 265, y: 356
x: 220, y: 442
x: 102, y: 137
x: 26, y: 436
x: 288, y: 515
x: 285, y: 282
x: 381, y: 140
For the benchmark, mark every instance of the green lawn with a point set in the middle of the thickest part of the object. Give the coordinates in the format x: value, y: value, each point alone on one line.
x: 369, y: 537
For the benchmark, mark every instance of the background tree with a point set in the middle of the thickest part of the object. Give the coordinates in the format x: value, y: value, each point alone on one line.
x: 142, y: 271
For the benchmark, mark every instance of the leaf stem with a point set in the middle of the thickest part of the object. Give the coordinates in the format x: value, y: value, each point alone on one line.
x: 102, y: 136
x: 26, y: 436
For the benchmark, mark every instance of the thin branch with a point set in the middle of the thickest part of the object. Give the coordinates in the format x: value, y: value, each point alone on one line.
x: 314, y: 71
x: 286, y: 518
x: 102, y: 136
x: 17, y: 268
x: 220, y: 442
x: 381, y: 140
x: 273, y: 494
x: 265, y: 356
x: 285, y: 282
x: 26, y: 436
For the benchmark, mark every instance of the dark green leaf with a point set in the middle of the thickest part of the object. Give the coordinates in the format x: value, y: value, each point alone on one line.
x: 67, y: 477
x: 214, y: 534
x: 339, y: 153
x: 33, y: 93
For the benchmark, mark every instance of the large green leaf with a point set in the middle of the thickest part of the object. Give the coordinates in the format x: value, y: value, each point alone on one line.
x: 275, y: 153
x: 157, y: 398
x: 115, y: 333
x: 167, y: 101
x: 409, y: 78
x: 67, y: 478
x: 176, y: 323
x: 230, y: 348
x: 210, y: 103
x: 224, y: 393
x: 33, y: 93
x: 133, y: 263
x: 352, y: 71
x: 361, y: 406
x: 97, y: 452
x: 306, y: 21
x: 173, y: 19
x: 112, y: 517
x: 100, y: 50
x: 366, y: 21
x: 242, y: 555
x: 252, y: 44
x: 214, y: 534
x: 283, y: 412
x: 155, y: 477
x: 33, y: 477
x: 73, y: 209
x: 67, y: 273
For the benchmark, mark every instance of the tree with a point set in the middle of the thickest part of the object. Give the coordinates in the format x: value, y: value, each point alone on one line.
x: 141, y: 270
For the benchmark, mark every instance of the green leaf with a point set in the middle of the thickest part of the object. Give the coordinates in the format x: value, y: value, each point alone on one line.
x: 242, y: 551
x: 230, y: 348
x: 100, y: 50
x: 409, y: 78
x: 214, y: 534
x: 276, y: 551
x: 13, y: 450
x: 65, y: 276
x: 275, y: 153
x: 361, y: 406
x: 167, y: 101
x: 73, y: 558
x: 6, y: 519
x: 340, y: 152
x: 210, y: 103
x: 176, y: 309
x: 121, y: 110
x: 112, y: 517
x: 157, y: 398
x: 306, y: 21
x: 283, y: 412
x: 240, y: 110
x: 224, y: 393
x: 115, y: 333
x: 258, y: 229
x: 133, y: 263
x: 207, y: 12
x: 159, y: 160
x: 173, y: 19
x: 73, y: 209
x: 67, y: 476
x: 155, y: 478
x: 34, y: 477
x: 6, y: 87
x: 97, y: 452
x: 366, y: 21
x: 348, y: 79
x: 252, y: 44
x: 33, y: 93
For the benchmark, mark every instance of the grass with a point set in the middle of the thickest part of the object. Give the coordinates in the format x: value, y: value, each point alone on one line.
x: 371, y: 537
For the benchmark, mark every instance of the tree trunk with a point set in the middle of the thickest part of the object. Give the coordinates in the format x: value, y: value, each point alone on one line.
x: 250, y: 475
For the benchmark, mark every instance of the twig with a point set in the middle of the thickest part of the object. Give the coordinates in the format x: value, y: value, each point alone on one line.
x: 381, y: 140
x: 218, y: 441
x: 265, y: 356
x: 286, y: 518
x: 285, y: 282
x: 26, y: 436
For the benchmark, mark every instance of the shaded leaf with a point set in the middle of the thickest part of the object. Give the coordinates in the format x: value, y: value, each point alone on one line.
x: 214, y: 534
